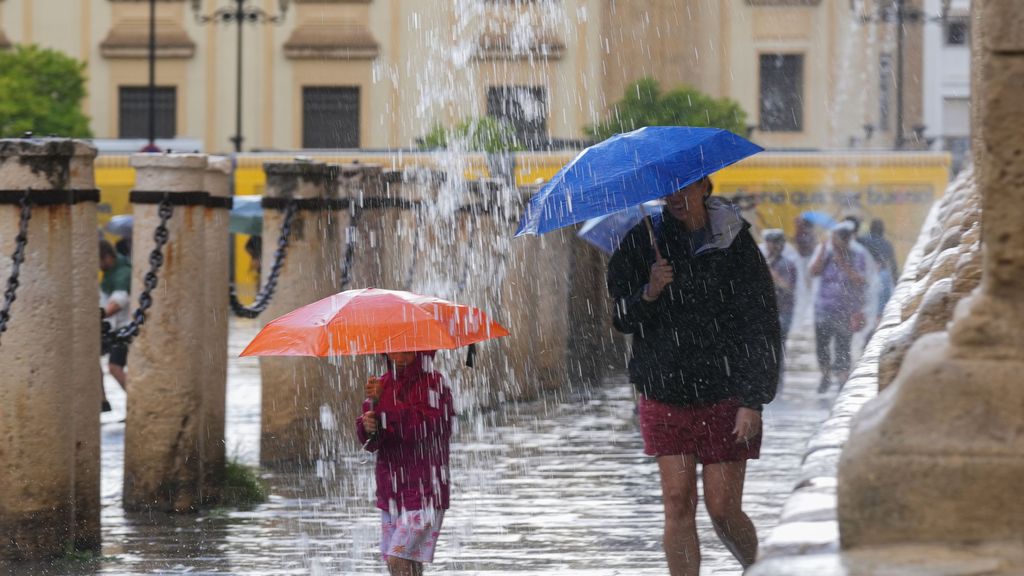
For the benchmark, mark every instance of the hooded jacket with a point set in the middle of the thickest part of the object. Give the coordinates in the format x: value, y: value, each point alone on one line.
x: 414, y: 416
x: 714, y: 331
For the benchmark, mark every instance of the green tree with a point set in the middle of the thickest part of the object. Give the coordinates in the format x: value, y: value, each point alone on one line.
x: 485, y: 134
x: 41, y: 91
x: 644, y: 104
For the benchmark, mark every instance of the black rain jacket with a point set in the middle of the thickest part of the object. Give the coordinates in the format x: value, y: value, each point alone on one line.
x: 714, y: 332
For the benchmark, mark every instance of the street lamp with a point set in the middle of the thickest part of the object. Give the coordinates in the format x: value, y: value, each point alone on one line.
x: 241, y: 13
x: 899, y: 12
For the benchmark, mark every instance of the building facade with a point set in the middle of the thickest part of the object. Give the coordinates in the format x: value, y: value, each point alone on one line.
x: 947, y: 80
x: 381, y: 73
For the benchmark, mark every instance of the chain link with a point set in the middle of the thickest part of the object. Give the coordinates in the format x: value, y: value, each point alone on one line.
x: 350, y: 246
x: 265, y: 295
x: 126, y: 334
x: 10, y: 294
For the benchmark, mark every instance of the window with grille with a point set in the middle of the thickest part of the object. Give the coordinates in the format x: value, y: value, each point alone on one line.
x: 782, y: 89
x: 133, y: 112
x: 886, y: 79
x: 525, y: 109
x: 330, y: 117
x: 957, y: 32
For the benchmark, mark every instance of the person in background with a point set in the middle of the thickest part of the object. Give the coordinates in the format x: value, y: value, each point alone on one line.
x: 124, y: 247
x: 881, y: 250
x: 838, y: 308
x: 254, y: 248
x: 114, y: 305
x: 784, y: 275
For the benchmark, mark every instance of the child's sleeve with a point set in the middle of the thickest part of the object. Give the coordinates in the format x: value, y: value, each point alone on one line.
x: 364, y: 437
x: 425, y: 415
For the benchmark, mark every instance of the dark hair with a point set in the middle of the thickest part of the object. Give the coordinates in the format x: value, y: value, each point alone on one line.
x: 711, y: 187
x: 106, y: 250
x: 877, y: 227
x: 844, y: 233
x: 124, y: 247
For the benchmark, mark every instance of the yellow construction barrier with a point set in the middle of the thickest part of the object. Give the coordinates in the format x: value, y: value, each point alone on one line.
x: 773, y: 188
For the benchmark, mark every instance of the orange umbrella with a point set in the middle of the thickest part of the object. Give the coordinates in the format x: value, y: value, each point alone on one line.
x: 373, y: 321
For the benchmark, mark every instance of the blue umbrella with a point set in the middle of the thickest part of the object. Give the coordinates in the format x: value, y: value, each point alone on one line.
x: 629, y: 169
x: 121, y: 225
x: 607, y: 232
x: 246, y: 216
x: 818, y: 219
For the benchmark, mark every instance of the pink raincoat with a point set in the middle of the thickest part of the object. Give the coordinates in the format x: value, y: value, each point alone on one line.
x: 414, y: 432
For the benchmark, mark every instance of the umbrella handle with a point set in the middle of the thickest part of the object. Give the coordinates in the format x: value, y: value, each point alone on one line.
x: 650, y: 232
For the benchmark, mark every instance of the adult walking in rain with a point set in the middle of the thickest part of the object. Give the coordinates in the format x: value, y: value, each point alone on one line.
x: 696, y: 294
x: 784, y: 275
x: 838, y: 308
x: 882, y: 252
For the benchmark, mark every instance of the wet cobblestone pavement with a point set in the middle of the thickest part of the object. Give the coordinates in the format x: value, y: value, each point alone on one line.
x: 542, y: 488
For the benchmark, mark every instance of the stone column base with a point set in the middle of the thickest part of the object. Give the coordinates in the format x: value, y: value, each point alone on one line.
x: 939, y: 455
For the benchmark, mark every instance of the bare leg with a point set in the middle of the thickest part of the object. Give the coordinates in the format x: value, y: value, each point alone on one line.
x: 723, y: 496
x: 118, y: 373
x: 679, y: 496
x: 403, y: 567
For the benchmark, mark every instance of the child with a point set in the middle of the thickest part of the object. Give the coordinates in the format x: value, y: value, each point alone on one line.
x: 406, y: 420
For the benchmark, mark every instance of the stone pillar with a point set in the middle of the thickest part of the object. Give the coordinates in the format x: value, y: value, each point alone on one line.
x: 295, y: 388
x: 216, y: 276
x: 348, y: 379
x: 938, y: 457
x: 87, y: 377
x: 36, y: 431
x: 388, y: 229
x: 165, y: 399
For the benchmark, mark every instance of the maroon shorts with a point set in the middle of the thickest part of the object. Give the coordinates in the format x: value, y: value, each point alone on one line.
x: 704, y: 431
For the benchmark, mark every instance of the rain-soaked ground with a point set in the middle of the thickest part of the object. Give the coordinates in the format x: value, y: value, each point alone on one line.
x: 542, y: 488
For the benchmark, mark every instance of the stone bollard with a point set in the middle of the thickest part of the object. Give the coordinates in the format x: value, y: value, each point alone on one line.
x: 296, y: 389
x: 36, y: 424
x: 469, y: 257
x: 389, y: 229
x: 350, y: 374
x: 87, y: 376
x: 938, y: 458
x: 163, y: 432
x: 593, y: 349
x: 216, y: 275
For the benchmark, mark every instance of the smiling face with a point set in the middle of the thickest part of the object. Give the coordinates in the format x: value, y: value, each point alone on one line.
x: 686, y: 200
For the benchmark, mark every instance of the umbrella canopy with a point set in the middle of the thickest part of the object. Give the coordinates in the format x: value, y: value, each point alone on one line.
x: 607, y: 232
x: 373, y: 321
x: 246, y: 215
x: 629, y: 169
x: 120, y: 225
x: 819, y: 219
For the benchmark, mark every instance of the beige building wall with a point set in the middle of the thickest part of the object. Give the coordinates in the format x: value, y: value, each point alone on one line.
x: 421, y: 62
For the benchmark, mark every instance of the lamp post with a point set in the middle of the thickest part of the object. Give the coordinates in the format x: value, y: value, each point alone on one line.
x: 239, y: 14
x: 899, y: 12
x: 152, y: 78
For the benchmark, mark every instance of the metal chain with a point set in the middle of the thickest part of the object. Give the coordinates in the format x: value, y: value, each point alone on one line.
x: 16, y: 260
x: 350, y: 246
x: 267, y: 292
x: 126, y: 334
